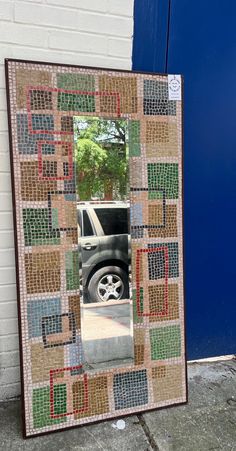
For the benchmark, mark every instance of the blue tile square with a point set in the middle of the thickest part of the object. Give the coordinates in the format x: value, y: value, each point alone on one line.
x: 36, y: 310
x: 27, y: 143
x: 42, y: 122
x: 130, y: 389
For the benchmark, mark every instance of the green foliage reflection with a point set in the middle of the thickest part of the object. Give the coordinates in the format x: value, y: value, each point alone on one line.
x: 101, y: 155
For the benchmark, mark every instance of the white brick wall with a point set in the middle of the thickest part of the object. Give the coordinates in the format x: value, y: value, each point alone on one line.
x: 86, y: 32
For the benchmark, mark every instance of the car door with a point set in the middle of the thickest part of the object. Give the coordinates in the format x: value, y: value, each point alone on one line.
x: 114, y: 236
x: 89, y: 242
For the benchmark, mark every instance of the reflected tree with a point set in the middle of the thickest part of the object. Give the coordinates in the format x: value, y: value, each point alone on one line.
x: 101, y: 154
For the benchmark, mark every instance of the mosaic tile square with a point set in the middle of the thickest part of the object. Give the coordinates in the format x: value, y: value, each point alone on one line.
x: 27, y: 77
x: 43, y: 360
x: 165, y: 342
x: 119, y: 101
x: 162, y: 376
x: 32, y: 188
x: 161, y: 139
x: 41, y: 409
x: 36, y: 227
x: 163, y: 176
x: 27, y: 142
x: 156, y: 99
x: 130, y: 389
x: 37, y: 309
x: 42, y: 272
x: 98, y: 402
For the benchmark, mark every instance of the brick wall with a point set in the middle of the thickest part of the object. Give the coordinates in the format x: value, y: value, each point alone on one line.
x: 86, y: 32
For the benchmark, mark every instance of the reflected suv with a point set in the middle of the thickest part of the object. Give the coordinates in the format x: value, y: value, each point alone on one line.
x: 104, y: 250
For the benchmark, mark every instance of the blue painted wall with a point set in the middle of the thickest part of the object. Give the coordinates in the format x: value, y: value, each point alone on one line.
x: 198, y: 40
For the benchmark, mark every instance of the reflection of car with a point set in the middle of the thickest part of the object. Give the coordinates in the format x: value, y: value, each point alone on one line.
x: 104, y: 250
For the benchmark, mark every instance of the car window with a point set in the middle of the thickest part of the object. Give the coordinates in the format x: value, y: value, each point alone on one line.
x: 79, y: 219
x: 87, y: 226
x: 114, y: 221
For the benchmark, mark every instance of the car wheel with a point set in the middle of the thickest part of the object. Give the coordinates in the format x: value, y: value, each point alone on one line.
x: 109, y: 283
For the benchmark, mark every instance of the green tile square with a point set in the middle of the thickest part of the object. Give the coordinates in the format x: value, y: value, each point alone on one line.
x: 165, y: 342
x: 163, y: 176
x: 41, y: 408
x: 36, y: 228
x: 72, y: 270
x: 134, y: 138
x: 76, y: 102
x: 137, y: 319
x: 59, y: 396
x: 76, y: 82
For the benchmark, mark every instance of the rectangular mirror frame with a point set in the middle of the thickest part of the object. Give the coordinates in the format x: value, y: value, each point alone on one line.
x: 42, y: 100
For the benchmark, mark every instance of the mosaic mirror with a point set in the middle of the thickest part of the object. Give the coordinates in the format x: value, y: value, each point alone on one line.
x: 96, y: 159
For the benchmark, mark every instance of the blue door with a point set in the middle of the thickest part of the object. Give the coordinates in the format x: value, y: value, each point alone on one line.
x: 198, y: 40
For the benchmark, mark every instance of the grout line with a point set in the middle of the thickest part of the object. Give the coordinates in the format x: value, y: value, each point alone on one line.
x: 82, y: 31
x: 69, y: 52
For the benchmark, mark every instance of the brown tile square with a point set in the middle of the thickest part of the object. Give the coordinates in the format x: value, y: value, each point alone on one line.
x: 42, y: 272
x: 156, y: 213
x: 156, y: 217
x: 167, y: 382
x: 125, y: 86
x: 98, y: 402
x: 161, y: 139
x: 32, y: 188
x: 28, y: 77
x: 156, y: 295
x: 43, y: 360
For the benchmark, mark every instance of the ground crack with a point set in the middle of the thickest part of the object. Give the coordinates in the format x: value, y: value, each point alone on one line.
x: 147, y: 432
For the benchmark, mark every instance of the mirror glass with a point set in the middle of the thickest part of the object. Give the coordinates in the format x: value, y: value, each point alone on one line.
x: 102, y: 160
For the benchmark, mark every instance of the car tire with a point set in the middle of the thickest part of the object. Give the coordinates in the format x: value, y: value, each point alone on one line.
x: 115, y: 273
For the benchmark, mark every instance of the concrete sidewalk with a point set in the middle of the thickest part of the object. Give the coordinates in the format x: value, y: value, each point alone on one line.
x: 208, y: 422
x: 106, y: 331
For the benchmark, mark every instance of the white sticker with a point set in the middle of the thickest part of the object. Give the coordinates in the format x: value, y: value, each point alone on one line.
x: 120, y: 424
x: 174, y: 87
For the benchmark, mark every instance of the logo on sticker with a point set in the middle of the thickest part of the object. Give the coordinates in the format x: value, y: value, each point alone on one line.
x: 174, y: 85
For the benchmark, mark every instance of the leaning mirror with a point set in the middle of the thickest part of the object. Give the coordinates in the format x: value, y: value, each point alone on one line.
x: 96, y: 161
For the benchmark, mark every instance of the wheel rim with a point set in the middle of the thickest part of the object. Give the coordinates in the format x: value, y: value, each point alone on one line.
x: 110, y: 286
